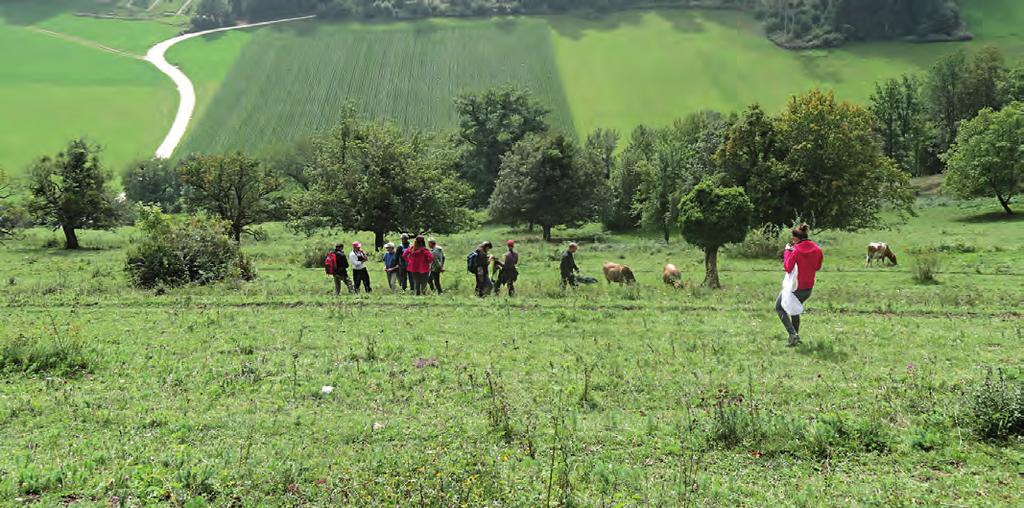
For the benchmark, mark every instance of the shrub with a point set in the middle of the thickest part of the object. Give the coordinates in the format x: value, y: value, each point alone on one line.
x: 312, y: 255
x: 926, y: 265
x: 996, y: 407
x: 59, y: 354
x: 173, y: 252
x: 764, y: 242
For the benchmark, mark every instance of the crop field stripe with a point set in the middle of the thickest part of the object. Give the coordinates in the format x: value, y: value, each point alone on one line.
x: 290, y: 82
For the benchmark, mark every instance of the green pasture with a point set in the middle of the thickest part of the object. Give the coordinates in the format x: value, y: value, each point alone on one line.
x: 292, y: 80
x: 53, y: 90
x: 604, y: 396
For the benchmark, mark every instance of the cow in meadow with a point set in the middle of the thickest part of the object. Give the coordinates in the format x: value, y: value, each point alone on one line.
x: 878, y: 251
x: 671, y: 276
x: 614, y: 272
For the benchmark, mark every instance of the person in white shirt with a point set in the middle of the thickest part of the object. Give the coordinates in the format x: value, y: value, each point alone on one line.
x: 358, y: 258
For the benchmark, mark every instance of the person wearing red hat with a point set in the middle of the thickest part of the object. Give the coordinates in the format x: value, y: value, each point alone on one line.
x: 357, y: 258
x: 509, y: 271
x: 417, y: 261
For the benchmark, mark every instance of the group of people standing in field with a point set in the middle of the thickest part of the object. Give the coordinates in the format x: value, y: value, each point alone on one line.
x: 417, y: 266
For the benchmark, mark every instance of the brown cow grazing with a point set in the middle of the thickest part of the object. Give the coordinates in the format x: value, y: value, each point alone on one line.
x: 671, y: 276
x: 879, y: 251
x: 618, y: 273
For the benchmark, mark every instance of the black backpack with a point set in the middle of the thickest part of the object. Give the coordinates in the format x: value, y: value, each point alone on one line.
x: 471, y: 262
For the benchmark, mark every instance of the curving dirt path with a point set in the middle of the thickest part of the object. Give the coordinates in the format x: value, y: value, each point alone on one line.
x: 187, y: 105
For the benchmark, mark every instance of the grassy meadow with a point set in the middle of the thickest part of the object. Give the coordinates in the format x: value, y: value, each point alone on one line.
x: 603, y: 396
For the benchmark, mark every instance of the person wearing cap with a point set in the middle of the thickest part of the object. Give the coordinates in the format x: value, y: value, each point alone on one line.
x: 437, y: 266
x: 403, y: 274
x: 508, y: 271
x: 418, y: 260
x: 480, y: 259
x: 568, y: 266
x: 357, y: 258
x: 391, y: 265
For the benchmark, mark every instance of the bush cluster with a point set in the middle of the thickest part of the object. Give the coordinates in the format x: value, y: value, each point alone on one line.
x: 59, y: 354
x: 996, y: 407
x: 764, y: 242
x: 196, y: 250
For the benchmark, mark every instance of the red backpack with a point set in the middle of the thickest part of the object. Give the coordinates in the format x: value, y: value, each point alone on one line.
x: 331, y: 263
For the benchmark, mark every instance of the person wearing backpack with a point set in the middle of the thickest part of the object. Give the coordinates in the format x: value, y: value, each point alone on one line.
x: 476, y: 264
x: 509, y: 273
x: 437, y: 266
x: 418, y: 260
x: 336, y: 265
x: 360, y: 275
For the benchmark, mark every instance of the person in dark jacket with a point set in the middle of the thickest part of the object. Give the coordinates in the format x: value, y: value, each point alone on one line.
x: 508, y: 270
x: 568, y: 267
x: 339, y: 264
x: 391, y: 265
x: 480, y: 261
x: 403, y: 273
x: 437, y: 266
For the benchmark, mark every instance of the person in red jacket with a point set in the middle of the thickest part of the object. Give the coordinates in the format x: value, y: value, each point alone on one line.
x: 806, y: 257
x: 418, y: 260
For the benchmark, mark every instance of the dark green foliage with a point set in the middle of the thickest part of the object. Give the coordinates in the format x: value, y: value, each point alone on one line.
x: 175, y: 252
x: 490, y: 123
x: 988, y: 157
x: 290, y: 161
x: 370, y: 176
x: 824, y: 24
x: 711, y: 217
x: 818, y: 160
x: 70, y: 192
x: 625, y: 179
x: 1011, y: 88
x: 8, y: 221
x: 153, y: 181
x: 235, y: 188
x: 996, y: 407
x: 764, y: 242
x: 900, y: 121
x: 545, y: 181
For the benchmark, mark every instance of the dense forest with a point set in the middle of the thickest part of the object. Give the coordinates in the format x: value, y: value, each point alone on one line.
x: 789, y: 23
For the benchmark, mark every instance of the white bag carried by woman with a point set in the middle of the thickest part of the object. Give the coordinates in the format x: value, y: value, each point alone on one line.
x: 790, y: 303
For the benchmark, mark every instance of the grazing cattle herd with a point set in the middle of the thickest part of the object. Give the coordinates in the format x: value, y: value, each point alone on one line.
x: 671, y: 276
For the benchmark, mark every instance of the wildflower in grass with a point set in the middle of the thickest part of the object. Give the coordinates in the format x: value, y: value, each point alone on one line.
x: 327, y: 389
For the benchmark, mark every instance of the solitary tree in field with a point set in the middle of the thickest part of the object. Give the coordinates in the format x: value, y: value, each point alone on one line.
x: 988, y: 156
x: 69, y: 192
x: 712, y: 217
x: 490, y: 122
x: 368, y: 176
x: 235, y: 188
x: 544, y: 181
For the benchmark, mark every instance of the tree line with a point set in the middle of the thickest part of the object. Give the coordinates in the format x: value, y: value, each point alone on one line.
x: 708, y: 177
x: 789, y: 23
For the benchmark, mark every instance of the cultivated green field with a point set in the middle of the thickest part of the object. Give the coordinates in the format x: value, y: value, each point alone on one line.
x: 67, y: 76
x: 293, y: 79
x: 604, y: 396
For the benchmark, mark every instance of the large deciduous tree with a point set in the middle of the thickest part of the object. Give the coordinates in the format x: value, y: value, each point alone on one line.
x: 545, y: 181
x: 234, y: 187
x: 369, y: 176
x: 711, y: 217
x: 490, y: 123
x: 70, y: 192
x: 7, y: 222
x: 625, y: 179
x: 988, y: 156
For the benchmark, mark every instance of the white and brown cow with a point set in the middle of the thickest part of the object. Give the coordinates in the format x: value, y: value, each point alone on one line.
x: 881, y: 252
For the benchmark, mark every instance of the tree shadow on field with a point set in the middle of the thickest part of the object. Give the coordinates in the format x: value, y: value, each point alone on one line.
x: 30, y: 12
x: 574, y: 26
x: 990, y: 217
x: 823, y: 350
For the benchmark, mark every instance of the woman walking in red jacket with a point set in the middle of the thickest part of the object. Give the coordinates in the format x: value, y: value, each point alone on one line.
x: 418, y: 260
x: 806, y: 257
